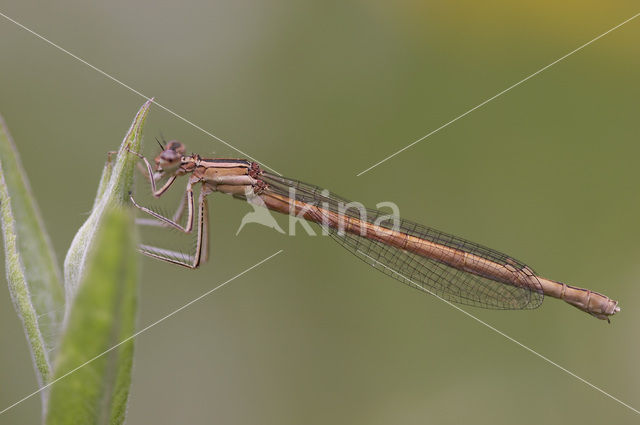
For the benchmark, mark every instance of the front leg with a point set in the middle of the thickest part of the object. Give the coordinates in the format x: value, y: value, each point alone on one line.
x: 177, y: 216
x: 201, y: 253
x: 173, y: 223
x: 156, y: 193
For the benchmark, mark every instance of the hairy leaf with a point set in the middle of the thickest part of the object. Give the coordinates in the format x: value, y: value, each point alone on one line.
x: 32, y: 271
x: 93, y: 365
x: 114, y: 188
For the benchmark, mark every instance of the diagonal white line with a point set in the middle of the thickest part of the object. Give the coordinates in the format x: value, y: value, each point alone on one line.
x: 532, y: 351
x: 112, y: 78
x: 138, y: 333
x: 497, y: 95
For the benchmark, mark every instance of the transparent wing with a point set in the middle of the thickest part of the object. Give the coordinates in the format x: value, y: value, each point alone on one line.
x: 412, y: 269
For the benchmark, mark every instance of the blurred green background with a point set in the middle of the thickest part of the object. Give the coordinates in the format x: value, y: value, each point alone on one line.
x: 320, y: 91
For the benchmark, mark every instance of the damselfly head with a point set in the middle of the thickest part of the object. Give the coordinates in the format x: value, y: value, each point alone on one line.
x: 170, y: 158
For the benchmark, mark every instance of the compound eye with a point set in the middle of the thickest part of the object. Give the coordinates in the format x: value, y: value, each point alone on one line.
x: 176, y: 146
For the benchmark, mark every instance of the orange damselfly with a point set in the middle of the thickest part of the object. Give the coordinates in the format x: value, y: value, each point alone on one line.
x: 433, y: 261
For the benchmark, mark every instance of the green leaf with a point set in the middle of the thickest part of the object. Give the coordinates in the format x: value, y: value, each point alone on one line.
x: 101, y: 317
x: 32, y: 272
x: 114, y: 188
x: 92, y: 370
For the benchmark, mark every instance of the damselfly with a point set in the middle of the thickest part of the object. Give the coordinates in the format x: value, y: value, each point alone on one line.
x: 424, y: 258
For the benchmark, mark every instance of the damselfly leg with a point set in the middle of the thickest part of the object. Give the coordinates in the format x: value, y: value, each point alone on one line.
x: 172, y: 222
x: 177, y: 216
x: 151, y: 177
x: 201, y: 253
x: 147, y: 172
x: 175, y: 257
